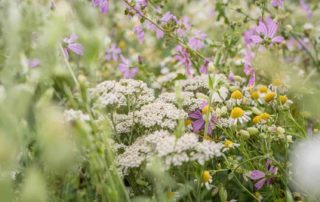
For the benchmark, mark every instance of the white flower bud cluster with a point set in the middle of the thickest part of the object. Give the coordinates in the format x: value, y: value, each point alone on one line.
x: 124, y: 123
x: 75, y: 115
x: 189, y: 102
x: 116, y: 94
x: 172, y: 150
x: 159, y: 114
x: 196, y: 83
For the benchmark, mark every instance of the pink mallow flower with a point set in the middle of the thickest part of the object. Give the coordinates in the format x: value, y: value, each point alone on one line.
x: 196, y: 42
x: 198, y: 118
x: 112, y: 53
x: 263, y: 178
x: 248, y: 66
x: 184, y: 58
x: 72, y: 45
x: 306, y: 9
x: 277, y: 3
x: 265, y: 33
x: 138, y: 30
x: 125, y: 69
x: 102, y: 4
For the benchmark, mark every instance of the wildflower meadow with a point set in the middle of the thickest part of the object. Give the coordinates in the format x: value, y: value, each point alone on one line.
x: 158, y: 100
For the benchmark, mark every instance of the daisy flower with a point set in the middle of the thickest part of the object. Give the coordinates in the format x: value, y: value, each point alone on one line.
x: 206, y: 179
x: 238, y: 115
x: 236, y: 98
x: 228, y: 144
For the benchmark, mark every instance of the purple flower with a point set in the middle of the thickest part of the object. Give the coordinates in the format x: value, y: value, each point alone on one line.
x: 261, y: 178
x: 167, y: 17
x: 196, y: 42
x: 32, y: 63
x: 231, y: 77
x: 265, y: 33
x: 113, y: 53
x: 154, y: 28
x: 71, y: 45
x: 102, y: 4
x: 138, y: 30
x: 184, y: 58
x: 278, y: 3
x: 184, y: 26
x: 306, y: 8
x: 198, y: 119
x: 248, y: 66
x: 204, y: 67
x: 247, y: 36
x: 126, y: 70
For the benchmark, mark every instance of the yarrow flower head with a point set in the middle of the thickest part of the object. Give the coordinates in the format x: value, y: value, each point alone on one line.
x: 72, y: 45
x: 265, y: 33
x: 127, y: 71
x: 263, y: 178
x: 102, y: 4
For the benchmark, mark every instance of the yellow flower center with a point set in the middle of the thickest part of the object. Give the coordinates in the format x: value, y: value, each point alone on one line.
x: 256, y: 119
x: 228, y: 143
x: 277, y: 82
x: 265, y: 116
x: 187, y: 122
x: 122, y: 45
x: 206, y: 177
x: 269, y: 96
x: 205, y: 109
x: 255, y: 95
x: 170, y: 194
x: 236, y: 112
x: 237, y: 95
x: 283, y: 99
x: 263, y: 89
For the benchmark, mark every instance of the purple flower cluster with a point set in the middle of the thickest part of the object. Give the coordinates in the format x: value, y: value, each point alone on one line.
x: 183, y: 57
x: 127, y: 71
x: 102, y: 4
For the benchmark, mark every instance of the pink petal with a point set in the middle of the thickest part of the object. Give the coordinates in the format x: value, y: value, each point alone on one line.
x: 256, y: 39
x: 195, y: 115
x: 198, y: 125
x: 260, y: 184
x: 272, y: 27
x: 257, y: 174
x: 277, y: 39
x: 262, y: 28
x: 76, y: 48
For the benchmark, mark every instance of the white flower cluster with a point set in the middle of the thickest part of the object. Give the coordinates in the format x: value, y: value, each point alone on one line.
x: 159, y: 114
x: 123, y: 123
x: 189, y: 102
x: 196, y: 83
x: 74, y: 115
x: 172, y: 150
x: 116, y: 94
